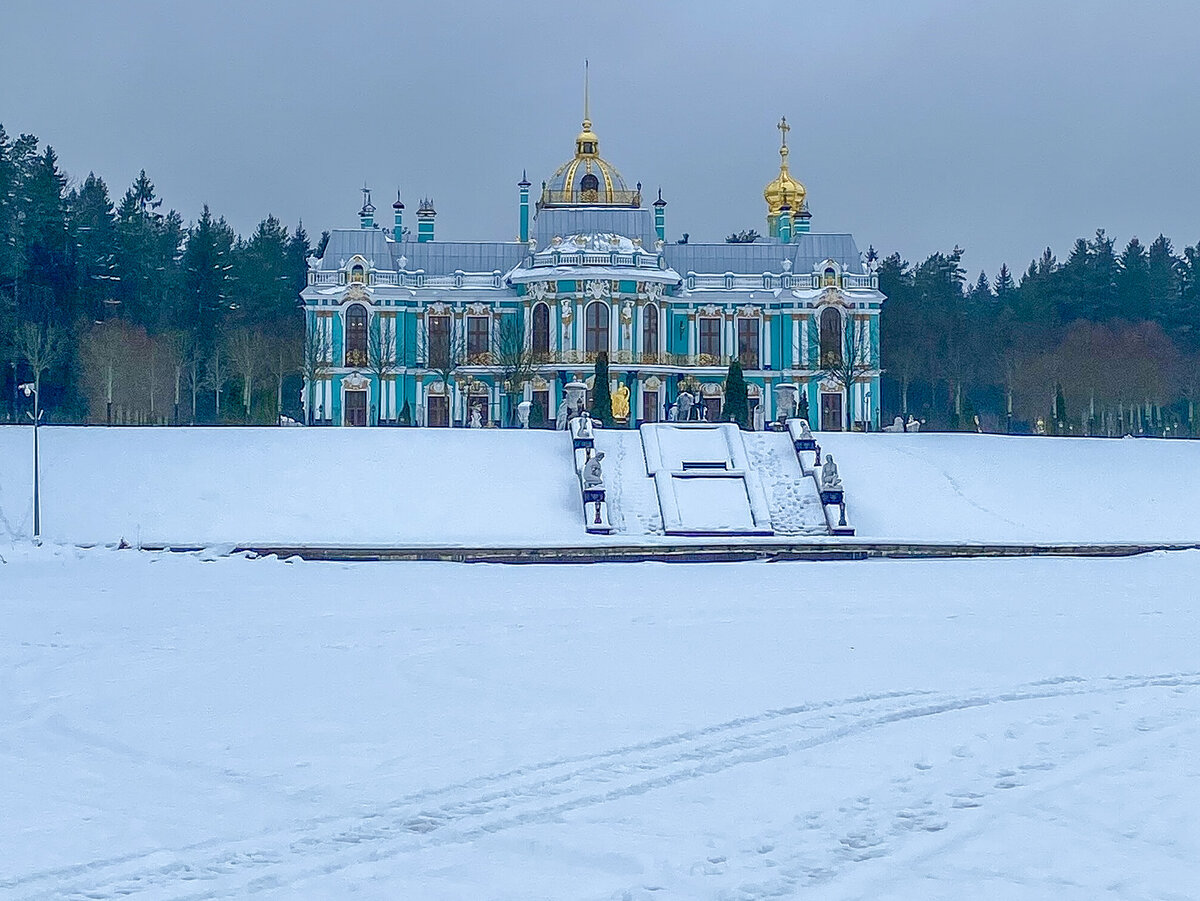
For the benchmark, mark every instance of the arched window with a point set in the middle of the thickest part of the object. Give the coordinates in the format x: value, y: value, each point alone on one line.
x: 830, y: 277
x: 831, y: 337
x: 541, y: 330
x: 650, y: 330
x: 358, y: 275
x: 356, y: 335
x: 595, y: 336
x: 589, y: 187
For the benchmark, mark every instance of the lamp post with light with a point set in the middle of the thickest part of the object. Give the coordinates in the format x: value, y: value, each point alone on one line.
x: 30, y: 389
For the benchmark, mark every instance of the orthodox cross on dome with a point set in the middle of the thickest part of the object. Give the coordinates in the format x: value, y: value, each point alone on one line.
x: 367, y: 207
x: 784, y: 128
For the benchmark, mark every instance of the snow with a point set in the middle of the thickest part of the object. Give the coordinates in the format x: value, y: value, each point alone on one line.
x: 985, y: 729
x: 387, y: 486
x: 943, y: 487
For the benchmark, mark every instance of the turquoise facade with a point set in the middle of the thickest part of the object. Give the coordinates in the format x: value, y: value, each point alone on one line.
x: 593, y: 272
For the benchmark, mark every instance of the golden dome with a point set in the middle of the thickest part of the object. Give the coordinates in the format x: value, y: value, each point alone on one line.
x: 784, y: 188
x: 588, y: 178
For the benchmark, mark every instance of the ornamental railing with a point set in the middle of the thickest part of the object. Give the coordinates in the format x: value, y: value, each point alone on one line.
x: 591, y: 198
x: 636, y: 260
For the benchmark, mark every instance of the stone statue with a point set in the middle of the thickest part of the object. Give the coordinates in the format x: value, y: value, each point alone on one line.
x: 896, y: 426
x: 912, y: 425
x: 683, y: 406
x: 564, y: 411
x: 523, y: 409
x: 476, y: 417
x: 830, y: 480
x: 672, y: 412
x: 805, y: 431
x: 593, y: 475
x: 585, y: 425
x: 620, y: 403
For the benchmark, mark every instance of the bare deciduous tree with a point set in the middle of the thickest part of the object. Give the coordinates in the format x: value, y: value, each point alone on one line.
x: 514, y: 359
x: 243, y: 350
x: 853, y: 361
x: 443, y: 352
x: 282, y: 358
x: 383, y: 353
x: 314, y: 366
x: 42, y: 346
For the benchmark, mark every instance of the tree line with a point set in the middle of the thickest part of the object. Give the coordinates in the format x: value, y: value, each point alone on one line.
x: 1102, y: 343
x: 121, y: 313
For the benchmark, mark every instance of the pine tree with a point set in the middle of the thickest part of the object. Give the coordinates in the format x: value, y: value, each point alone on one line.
x: 737, y: 401
x: 1004, y: 286
x: 601, y: 394
x: 1163, y: 284
x: 93, y: 225
x: 1133, y: 282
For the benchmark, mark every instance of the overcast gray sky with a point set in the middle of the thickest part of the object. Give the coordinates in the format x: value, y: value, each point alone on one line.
x: 1003, y: 126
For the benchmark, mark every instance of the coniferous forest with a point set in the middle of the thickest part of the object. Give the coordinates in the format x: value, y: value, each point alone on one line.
x: 125, y: 314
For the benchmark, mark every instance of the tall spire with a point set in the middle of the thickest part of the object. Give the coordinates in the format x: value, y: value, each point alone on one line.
x: 587, y: 117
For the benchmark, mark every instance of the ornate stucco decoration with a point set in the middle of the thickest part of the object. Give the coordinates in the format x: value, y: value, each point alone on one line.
x: 749, y: 312
x: 478, y: 309
x: 598, y: 288
x: 355, y: 381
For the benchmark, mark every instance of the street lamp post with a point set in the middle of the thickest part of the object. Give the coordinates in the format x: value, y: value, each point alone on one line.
x: 31, y: 389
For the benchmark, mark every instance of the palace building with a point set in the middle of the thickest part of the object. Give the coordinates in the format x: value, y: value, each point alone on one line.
x: 412, y: 328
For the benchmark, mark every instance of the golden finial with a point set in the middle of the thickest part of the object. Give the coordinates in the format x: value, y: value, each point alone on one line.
x: 784, y: 128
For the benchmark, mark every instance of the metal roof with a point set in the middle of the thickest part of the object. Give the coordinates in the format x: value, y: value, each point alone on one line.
x: 805, y: 252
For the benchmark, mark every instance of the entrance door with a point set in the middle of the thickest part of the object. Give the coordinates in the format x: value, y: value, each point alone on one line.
x: 356, y: 408
x: 831, y: 412
x: 438, y: 411
x: 649, y: 406
x: 712, y: 407
x: 541, y: 403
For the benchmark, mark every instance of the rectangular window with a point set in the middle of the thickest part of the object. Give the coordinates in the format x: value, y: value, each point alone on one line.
x: 710, y: 336
x: 747, y: 333
x: 477, y: 337
x: 439, y: 342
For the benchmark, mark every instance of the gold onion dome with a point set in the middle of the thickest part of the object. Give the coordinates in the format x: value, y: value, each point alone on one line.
x: 784, y: 189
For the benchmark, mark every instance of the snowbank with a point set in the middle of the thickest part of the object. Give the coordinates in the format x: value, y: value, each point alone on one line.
x: 994, y: 488
x: 380, y: 486
x: 490, y: 487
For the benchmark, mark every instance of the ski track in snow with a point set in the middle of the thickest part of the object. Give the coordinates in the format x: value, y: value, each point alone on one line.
x: 237, y: 866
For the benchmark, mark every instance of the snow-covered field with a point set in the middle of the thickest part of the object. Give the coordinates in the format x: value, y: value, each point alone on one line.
x: 263, y: 486
x: 175, y: 727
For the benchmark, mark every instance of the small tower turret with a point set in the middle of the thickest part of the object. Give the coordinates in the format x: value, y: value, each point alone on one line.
x: 398, y: 213
x: 425, y: 216
x: 366, y: 216
x: 523, y: 184
x: 660, y: 217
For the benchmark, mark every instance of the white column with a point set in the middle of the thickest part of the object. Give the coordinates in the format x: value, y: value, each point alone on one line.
x: 803, y: 341
x: 730, y: 344
x: 764, y: 336
x: 614, y: 327
x: 693, y: 322
x: 577, y: 333
x: 796, y: 362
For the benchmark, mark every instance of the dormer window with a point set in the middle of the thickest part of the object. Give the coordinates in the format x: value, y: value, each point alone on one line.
x: 830, y: 279
x: 358, y: 275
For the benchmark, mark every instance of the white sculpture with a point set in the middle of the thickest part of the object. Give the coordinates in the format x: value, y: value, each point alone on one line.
x: 912, y: 425
x: 476, y: 417
x: 585, y: 426
x: 805, y: 431
x: 564, y: 410
x: 830, y: 480
x: 593, y: 475
x: 896, y: 426
x: 523, y: 409
x: 683, y: 406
